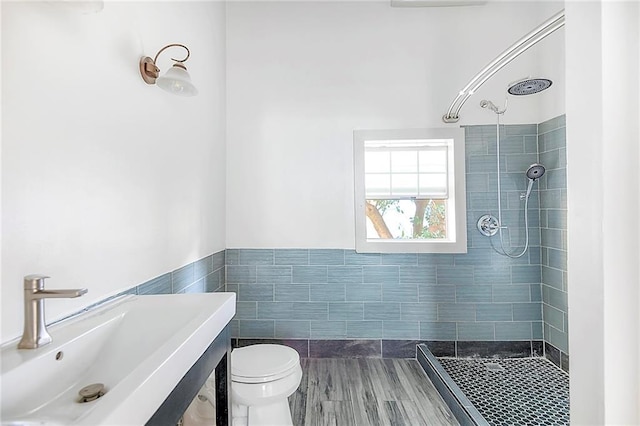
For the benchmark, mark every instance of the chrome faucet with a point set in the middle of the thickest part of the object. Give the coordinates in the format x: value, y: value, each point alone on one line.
x: 35, y: 330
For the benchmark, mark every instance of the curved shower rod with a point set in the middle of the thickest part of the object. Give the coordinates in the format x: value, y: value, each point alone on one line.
x: 546, y: 28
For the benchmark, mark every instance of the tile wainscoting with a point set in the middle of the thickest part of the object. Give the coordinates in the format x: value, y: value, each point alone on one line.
x: 205, y: 275
x: 208, y: 274
x: 202, y: 276
x: 320, y: 294
x: 333, y: 303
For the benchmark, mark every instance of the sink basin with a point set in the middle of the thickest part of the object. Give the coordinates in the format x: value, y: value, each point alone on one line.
x: 139, y: 347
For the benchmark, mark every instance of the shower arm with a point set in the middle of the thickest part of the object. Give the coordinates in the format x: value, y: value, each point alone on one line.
x: 546, y: 28
x: 483, y: 76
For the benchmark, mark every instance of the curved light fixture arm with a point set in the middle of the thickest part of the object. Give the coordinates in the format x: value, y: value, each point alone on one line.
x: 150, y: 71
x: 173, y: 59
x: 546, y: 28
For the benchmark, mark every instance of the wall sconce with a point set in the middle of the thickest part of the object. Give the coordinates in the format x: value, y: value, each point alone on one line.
x: 176, y: 80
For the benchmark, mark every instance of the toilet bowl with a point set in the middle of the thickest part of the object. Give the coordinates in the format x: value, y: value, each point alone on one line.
x: 262, y: 378
x: 202, y: 410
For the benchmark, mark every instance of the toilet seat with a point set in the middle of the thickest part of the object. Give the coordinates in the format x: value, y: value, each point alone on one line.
x: 263, y: 363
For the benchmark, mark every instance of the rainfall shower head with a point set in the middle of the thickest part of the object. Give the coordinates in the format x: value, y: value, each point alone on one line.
x: 535, y: 171
x: 529, y: 86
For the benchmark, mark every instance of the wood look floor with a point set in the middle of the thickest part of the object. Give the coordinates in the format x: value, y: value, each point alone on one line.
x: 367, y: 392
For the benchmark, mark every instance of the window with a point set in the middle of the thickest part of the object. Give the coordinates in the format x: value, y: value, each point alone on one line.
x: 410, y: 191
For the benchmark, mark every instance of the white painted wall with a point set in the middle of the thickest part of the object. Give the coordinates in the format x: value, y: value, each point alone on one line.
x: 303, y: 75
x: 106, y: 181
x: 603, y: 149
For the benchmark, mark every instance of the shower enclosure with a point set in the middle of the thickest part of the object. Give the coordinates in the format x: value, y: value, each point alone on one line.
x: 490, y: 376
x: 523, y: 222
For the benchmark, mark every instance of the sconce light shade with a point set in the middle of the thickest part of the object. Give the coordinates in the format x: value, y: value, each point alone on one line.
x: 176, y: 80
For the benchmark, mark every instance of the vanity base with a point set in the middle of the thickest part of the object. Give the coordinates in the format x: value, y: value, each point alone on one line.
x: 215, y: 357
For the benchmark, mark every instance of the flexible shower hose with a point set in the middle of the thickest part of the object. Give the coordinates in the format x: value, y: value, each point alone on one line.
x: 526, y: 206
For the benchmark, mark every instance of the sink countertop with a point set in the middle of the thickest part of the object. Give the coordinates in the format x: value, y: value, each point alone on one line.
x: 138, y: 346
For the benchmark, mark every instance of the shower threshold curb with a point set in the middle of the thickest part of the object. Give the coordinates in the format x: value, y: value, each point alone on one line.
x: 458, y: 403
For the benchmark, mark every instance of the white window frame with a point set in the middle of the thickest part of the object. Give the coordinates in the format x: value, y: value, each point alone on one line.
x: 456, y: 241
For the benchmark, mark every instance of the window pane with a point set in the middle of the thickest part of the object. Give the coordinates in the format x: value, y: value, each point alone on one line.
x: 376, y: 161
x: 377, y: 185
x: 433, y: 185
x: 396, y: 219
x: 434, y: 161
x: 404, y: 162
x: 401, y: 165
x: 404, y: 185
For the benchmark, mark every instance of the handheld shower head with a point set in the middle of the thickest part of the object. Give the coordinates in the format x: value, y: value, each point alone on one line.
x: 488, y: 104
x: 535, y: 171
x: 529, y: 188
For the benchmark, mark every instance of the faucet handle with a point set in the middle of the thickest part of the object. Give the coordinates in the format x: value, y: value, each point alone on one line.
x: 34, y: 281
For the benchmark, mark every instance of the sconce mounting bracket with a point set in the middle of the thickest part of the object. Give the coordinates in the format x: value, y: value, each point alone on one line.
x: 149, y: 70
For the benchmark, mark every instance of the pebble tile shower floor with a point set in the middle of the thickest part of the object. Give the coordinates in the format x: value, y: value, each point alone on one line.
x: 521, y: 391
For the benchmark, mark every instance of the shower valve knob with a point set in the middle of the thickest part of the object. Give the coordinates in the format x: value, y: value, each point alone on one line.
x: 488, y: 225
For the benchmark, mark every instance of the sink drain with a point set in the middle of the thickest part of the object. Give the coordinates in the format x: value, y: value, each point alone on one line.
x: 91, y: 392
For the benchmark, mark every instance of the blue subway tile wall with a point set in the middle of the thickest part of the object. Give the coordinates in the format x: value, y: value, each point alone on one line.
x: 477, y: 296
x: 205, y: 275
x: 158, y: 285
x: 553, y: 232
x: 448, y: 299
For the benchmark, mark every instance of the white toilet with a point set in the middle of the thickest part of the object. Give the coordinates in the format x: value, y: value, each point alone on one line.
x: 262, y: 378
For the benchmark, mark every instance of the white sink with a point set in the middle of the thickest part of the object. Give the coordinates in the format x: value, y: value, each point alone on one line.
x: 139, y: 347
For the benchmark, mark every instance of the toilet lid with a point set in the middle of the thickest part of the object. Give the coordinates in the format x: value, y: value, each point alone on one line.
x: 262, y: 363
